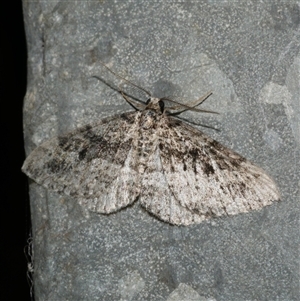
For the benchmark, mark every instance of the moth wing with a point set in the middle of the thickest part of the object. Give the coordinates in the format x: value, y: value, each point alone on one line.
x: 95, y: 164
x: 157, y: 196
x: 209, y: 179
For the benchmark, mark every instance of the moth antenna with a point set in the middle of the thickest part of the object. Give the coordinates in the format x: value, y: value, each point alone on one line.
x: 186, y: 107
x: 197, y: 102
x: 136, y: 106
x: 124, y: 79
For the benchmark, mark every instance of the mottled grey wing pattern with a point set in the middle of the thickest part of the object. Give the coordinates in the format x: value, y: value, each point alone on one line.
x: 202, y: 176
x: 95, y: 164
x: 157, y: 194
x: 181, y: 175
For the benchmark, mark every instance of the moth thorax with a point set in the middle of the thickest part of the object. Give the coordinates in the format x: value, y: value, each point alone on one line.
x: 149, y: 119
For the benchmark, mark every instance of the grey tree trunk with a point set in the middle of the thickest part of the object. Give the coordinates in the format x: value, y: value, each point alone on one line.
x: 247, y: 53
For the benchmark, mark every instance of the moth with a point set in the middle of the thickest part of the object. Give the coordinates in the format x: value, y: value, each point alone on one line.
x: 175, y: 171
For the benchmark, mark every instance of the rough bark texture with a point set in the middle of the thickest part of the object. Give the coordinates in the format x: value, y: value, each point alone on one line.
x: 248, y: 55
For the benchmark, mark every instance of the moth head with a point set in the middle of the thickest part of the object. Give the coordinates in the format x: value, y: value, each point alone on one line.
x: 155, y: 104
